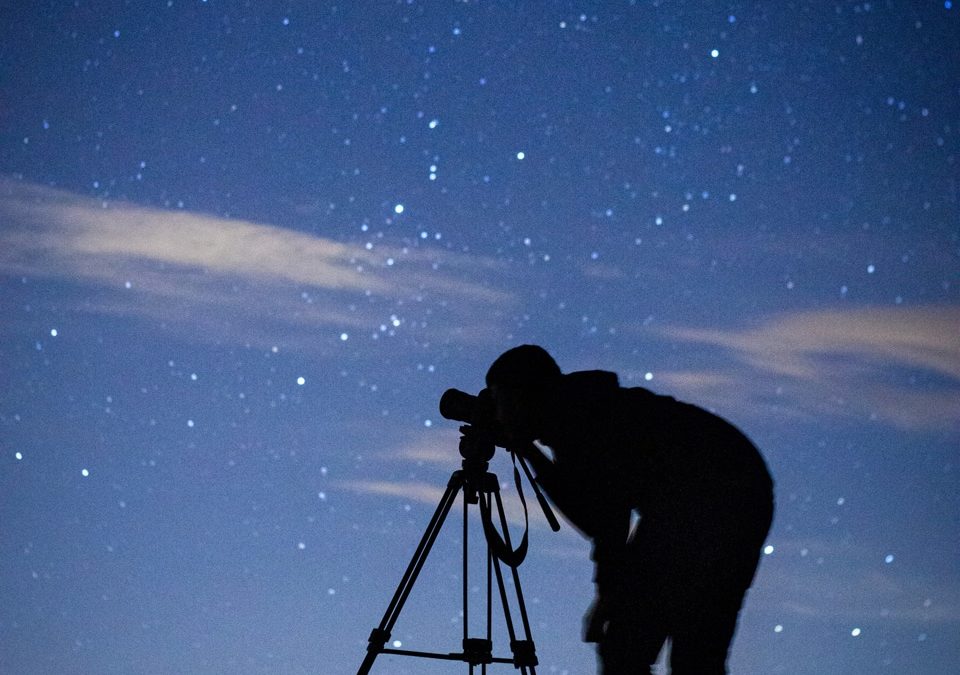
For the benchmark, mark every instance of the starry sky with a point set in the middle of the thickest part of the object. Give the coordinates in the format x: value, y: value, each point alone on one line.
x: 245, y: 247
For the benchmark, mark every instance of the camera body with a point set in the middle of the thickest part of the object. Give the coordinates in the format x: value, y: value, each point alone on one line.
x: 481, y: 431
x: 460, y: 406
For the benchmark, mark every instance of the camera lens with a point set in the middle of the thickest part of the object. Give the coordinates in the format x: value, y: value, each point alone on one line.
x: 458, y: 406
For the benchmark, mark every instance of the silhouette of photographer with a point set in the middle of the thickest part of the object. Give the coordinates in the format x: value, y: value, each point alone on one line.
x: 701, y: 489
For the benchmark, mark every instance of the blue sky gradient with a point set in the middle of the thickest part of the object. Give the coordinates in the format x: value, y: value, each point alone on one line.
x: 245, y: 249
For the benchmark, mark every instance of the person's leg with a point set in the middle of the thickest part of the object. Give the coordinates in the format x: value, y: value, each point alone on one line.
x: 701, y: 646
x: 628, y: 648
x: 642, y: 610
x: 707, y: 619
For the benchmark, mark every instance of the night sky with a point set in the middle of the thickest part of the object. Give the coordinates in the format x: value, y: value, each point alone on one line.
x: 245, y: 247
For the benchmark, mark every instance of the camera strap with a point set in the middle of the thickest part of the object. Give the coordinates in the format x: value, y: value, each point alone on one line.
x: 511, y: 557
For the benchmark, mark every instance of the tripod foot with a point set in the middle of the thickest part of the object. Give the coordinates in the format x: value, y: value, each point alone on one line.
x: 378, y: 638
x: 524, y: 653
x: 477, y: 651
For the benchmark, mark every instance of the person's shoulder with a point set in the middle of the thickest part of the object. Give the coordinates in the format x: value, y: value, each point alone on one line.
x: 591, y: 379
x: 642, y: 394
x: 587, y: 394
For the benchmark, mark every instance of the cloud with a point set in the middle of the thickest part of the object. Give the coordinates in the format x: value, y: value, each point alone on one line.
x: 420, y: 493
x: 897, y: 365
x: 434, y: 456
x: 825, y: 580
x: 430, y: 495
x: 438, y: 448
x: 224, y: 279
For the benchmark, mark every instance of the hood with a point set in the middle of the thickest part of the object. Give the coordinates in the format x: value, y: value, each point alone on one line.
x: 580, y: 405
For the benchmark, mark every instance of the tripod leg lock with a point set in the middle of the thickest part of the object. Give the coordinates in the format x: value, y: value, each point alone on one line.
x: 378, y: 638
x: 524, y: 653
x: 477, y: 651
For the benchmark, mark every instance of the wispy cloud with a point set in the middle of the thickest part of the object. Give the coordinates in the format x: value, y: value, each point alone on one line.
x: 841, y: 581
x: 794, y: 345
x: 435, y: 454
x: 897, y: 365
x: 430, y: 494
x: 224, y: 279
x: 420, y: 493
x: 438, y: 448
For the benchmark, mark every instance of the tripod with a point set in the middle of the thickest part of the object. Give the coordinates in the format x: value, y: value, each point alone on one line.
x: 482, y: 488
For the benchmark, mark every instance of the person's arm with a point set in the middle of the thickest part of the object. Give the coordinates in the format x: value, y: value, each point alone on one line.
x: 609, y: 550
x: 568, y: 492
x: 541, y: 464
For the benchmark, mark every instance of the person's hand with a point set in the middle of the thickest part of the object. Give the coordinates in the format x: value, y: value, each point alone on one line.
x: 524, y: 449
x: 595, y: 620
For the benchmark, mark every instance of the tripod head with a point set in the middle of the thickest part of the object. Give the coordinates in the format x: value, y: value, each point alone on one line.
x: 477, y: 447
x: 479, y: 439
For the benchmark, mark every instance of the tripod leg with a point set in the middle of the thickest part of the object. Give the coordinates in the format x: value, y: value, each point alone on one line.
x: 380, y: 635
x: 527, y: 652
x: 489, y: 600
x: 524, y: 659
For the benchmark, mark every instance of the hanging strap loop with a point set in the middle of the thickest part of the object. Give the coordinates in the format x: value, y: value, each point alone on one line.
x: 498, y: 544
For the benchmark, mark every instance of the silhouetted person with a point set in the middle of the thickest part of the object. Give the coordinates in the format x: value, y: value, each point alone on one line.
x: 700, y: 487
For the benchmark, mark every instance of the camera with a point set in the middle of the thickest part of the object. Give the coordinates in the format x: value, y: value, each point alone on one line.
x: 460, y: 406
x: 481, y: 434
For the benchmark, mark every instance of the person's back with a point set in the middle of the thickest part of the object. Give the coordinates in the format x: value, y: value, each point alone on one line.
x: 685, y: 453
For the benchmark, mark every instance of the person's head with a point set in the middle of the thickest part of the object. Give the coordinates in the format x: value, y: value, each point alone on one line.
x: 519, y: 381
